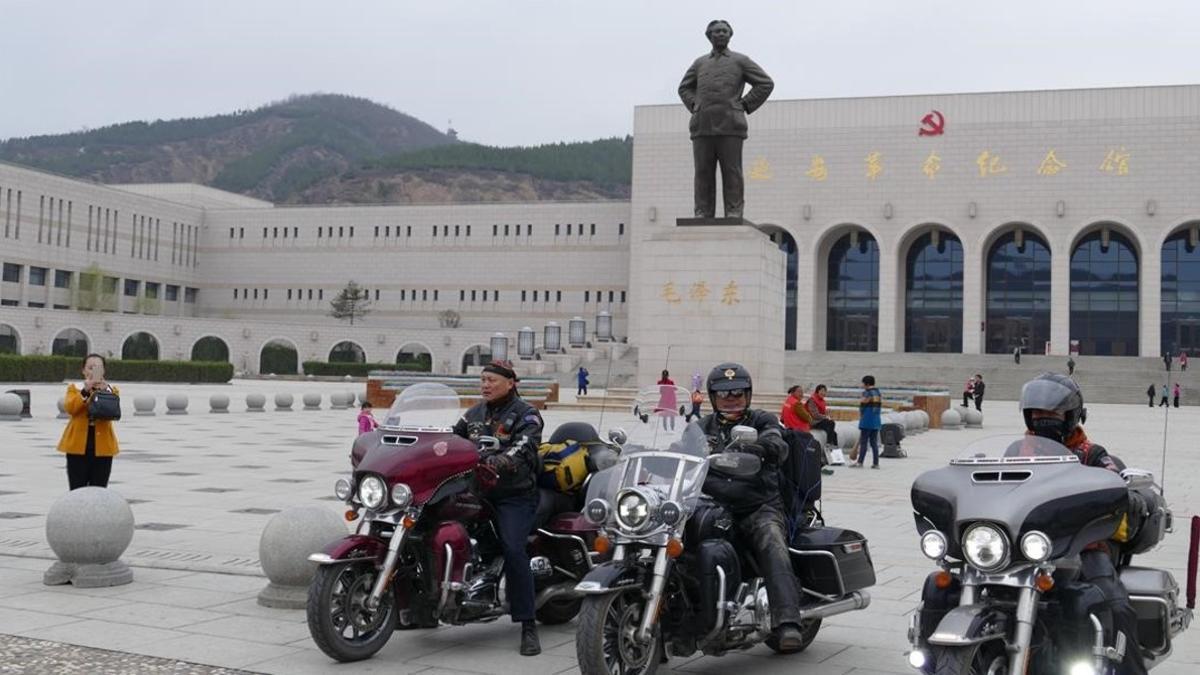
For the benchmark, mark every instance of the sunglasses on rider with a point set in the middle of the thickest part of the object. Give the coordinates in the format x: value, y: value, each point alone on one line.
x: 731, y: 393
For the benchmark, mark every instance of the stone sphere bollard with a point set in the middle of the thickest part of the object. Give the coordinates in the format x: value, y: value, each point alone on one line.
x: 924, y: 419
x: 973, y: 418
x: 951, y: 419
x: 337, y: 401
x: 11, y: 406
x: 177, y: 404
x: 283, y: 550
x: 283, y: 402
x: 62, y: 409
x: 219, y: 404
x: 143, y: 406
x: 256, y: 403
x: 350, y: 397
x: 819, y: 436
x: 88, y: 529
x: 849, y: 438
x: 312, y: 401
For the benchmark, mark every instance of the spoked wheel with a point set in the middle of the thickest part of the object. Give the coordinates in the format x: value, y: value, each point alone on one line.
x: 808, y: 633
x: 338, y: 617
x: 988, y: 658
x: 606, y: 642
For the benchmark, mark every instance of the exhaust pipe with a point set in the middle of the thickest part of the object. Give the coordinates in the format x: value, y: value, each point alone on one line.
x: 555, y: 592
x: 854, y: 601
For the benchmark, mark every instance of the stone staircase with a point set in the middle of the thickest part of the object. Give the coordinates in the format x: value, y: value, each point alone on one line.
x: 1104, y: 379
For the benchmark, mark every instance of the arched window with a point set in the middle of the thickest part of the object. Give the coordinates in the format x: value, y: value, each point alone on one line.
x: 1104, y: 294
x: 1018, y: 293
x: 347, y: 352
x: 70, y: 342
x: 933, y: 294
x: 210, y: 348
x: 852, y: 295
x: 10, y: 342
x: 478, y: 355
x: 1181, y: 292
x: 140, y: 347
x: 414, y: 356
x: 279, y: 357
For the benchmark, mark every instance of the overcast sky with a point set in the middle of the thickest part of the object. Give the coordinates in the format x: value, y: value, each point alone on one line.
x: 518, y: 72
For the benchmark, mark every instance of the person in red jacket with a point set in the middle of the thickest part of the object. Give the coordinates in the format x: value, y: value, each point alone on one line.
x: 794, y: 415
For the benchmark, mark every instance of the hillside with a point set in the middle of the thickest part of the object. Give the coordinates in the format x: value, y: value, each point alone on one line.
x: 328, y: 148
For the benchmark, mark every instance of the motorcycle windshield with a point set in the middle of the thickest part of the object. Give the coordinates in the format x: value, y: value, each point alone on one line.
x: 1014, y: 449
x: 427, y: 405
x: 669, y: 464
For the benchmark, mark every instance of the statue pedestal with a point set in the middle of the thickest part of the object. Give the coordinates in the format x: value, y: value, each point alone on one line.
x: 711, y: 291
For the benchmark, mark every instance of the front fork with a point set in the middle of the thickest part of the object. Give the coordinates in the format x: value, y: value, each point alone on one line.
x: 658, y: 582
x: 388, y: 568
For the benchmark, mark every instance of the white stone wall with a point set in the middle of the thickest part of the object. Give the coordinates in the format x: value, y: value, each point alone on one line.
x: 1153, y: 125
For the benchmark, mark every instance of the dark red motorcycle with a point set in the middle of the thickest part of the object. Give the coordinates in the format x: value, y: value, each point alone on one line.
x: 425, y: 549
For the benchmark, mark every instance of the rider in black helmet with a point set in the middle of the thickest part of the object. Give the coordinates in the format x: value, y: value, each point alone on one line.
x: 754, y: 501
x: 1052, y: 405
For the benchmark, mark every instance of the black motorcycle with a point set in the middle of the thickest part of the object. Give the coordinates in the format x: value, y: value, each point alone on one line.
x: 1006, y: 524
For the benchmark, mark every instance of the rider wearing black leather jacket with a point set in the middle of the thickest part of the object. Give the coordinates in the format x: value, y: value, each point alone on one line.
x: 518, y: 426
x: 1052, y: 405
x: 754, y: 501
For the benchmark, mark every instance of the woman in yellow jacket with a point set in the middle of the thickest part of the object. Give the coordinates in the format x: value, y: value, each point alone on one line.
x: 89, y: 444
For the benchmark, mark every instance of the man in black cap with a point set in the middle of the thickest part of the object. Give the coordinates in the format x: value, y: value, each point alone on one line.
x: 518, y: 426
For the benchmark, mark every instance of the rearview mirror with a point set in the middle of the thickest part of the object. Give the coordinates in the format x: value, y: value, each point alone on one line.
x: 735, y: 463
x: 617, y: 436
x: 743, y: 435
x: 488, y: 443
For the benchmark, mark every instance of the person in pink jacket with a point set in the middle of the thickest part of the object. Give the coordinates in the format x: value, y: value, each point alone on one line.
x: 366, y: 421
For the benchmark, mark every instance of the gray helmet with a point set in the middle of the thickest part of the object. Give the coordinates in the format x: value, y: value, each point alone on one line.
x: 1055, y: 392
x: 728, y: 376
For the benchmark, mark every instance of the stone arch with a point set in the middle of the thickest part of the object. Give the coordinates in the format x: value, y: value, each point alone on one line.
x: 1106, y: 262
x: 10, y: 339
x: 71, y: 341
x: 1179, y: 265
x: 141, y: 345
x: 210, y: 348
x: 475, y: 355
x: 347, y: 351
x: 931, y: 319
x: 782, y: 237
x: 418, y: 355
x: 832, y: 331
x: 1016, y: 261
x: 279, y: 355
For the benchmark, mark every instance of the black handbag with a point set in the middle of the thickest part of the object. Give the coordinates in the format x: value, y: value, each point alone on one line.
x: 104, y: 405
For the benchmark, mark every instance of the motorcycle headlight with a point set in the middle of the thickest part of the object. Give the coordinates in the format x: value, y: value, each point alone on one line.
x: 596, y: 511
x: 401, y: 495
x: 1035, y: 546
x: 933, y: 545
x: 985, y: 547
x: 342, y: 489
x: 372, y: 492
x: 633, y: 510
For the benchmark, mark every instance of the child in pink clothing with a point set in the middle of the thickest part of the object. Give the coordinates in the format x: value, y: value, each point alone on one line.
x: 366, y: 421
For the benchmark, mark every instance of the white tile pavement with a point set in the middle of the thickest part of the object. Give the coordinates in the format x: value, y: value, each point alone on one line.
x: 193, y: 596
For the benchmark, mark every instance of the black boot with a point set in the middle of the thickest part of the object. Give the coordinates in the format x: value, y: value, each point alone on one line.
x: 788, y: 638
x: 529, y: 639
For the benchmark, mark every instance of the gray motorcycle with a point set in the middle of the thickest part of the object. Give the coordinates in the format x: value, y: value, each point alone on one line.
x: 1006, y: 524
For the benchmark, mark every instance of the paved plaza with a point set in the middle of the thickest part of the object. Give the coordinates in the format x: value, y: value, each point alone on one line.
x: 203, y: 486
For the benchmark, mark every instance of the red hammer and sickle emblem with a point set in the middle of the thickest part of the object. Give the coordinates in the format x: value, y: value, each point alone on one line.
x: 932, y: 124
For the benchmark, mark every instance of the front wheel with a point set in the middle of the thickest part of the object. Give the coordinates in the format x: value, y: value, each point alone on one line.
x: 988, y: 658
x: 338, y: 617
x: 606, y: 642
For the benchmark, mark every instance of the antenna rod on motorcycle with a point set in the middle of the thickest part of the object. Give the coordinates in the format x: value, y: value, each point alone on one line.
x: 607, y: 386
x: 1162, y: 476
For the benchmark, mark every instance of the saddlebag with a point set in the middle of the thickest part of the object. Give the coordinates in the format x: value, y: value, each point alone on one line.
x: 832, y: 561
x: 710, y: 554
x: 710, y: 520
x: 1154, y: 595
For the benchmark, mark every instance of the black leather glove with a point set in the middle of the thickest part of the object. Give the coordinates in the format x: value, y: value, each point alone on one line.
x: 501, y: 463
x: 767, y: 453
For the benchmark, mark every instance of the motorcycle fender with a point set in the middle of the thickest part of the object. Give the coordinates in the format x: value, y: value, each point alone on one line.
x: 608, y: 577
x: 969, y: 625
x: 352, y: 546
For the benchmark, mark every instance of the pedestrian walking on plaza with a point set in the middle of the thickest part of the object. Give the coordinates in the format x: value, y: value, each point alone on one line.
x: 1167, y: 362
x: 1150, y: 393
x: 1070, y: 366
x: 582, y: 380
x: 1017, y: 355
x: 977, y: 392
x: 366, y: 418
x: 697, y: 400
x: 89, y: 443
x: 968, y: 391
x: 870, y: 419
x: 1164, y: 397
x: 1177, y: 390
x: 1183, y: 359
x: 697, y: 382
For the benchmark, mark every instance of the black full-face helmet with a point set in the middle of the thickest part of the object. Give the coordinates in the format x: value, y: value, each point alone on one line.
x: 729, y: 377
x: 1057, y: 393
